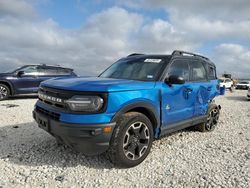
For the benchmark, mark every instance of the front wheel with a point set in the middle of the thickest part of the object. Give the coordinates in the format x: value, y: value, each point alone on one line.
x: 4, y: 92
x: 131, y: 141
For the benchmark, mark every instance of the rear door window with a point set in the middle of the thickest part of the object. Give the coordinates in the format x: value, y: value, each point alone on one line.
x: 54, y: 71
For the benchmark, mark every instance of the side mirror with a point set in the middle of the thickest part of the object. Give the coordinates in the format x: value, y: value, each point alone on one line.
x: 20, y: 73
x: 173, y: 79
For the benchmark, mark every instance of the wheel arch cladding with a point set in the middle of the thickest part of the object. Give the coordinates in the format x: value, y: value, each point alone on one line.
x: 8, y: 85
x: 142, y: 107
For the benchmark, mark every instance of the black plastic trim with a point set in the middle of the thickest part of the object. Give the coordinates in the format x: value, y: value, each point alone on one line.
x: 86, y: 138
x: 153, y: 112
x: 182, y: 125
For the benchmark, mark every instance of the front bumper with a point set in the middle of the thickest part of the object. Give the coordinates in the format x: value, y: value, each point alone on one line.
x: 88, y: 139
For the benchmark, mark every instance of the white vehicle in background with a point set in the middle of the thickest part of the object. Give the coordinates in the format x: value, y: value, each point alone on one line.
x: 226, y: 82
x: 248, y: 94
x: 243, y: 85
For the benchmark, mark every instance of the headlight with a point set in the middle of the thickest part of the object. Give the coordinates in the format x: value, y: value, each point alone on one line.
x: 85, y: 103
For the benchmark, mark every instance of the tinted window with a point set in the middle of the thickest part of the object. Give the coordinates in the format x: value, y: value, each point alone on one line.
x: 198, y: 71
x: 29, y: 70
x: 64, y: 72
x: 179, y: 68
x: 54, y: 71
x: 211, y: 73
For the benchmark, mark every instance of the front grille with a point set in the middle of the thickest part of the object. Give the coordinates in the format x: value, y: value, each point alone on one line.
x: 53, y: 97
x: 52, y: 115
x: 57, y: 97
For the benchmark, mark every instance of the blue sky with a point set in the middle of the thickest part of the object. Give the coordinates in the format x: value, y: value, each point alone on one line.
x: 90, y: 35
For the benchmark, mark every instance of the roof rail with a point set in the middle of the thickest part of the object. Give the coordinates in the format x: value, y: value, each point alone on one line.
x: 179, y: 52
x: 134, y: 54
x: 43, y: 64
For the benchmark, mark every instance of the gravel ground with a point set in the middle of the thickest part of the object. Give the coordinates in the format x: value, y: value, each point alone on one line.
x: 29, y: 157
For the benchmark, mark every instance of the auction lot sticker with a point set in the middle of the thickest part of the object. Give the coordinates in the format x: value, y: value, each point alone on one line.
x: 152, y: 60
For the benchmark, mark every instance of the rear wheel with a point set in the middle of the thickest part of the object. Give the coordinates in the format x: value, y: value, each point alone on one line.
x: 212, y: 119
x: 4, y: 92
x: 131, y: 141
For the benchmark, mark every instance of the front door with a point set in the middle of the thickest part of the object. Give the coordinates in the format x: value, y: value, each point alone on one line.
x: 177, y: 100
x: 28, y: 81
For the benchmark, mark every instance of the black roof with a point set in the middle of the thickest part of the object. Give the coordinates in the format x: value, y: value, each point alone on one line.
x: 176, y: 53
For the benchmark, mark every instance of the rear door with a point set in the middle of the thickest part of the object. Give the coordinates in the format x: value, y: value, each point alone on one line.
x: 202, y: 87
x: 177, y: 100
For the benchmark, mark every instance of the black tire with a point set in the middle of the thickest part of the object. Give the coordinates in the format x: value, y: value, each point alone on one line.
x: 4, y: 92
x: 131, y: 140
x: 212, y: 120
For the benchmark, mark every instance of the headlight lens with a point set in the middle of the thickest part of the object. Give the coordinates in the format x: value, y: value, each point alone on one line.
x: 85, y: 103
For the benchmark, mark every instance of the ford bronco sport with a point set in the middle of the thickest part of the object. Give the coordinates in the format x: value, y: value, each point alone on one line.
x: 26, y: 80
x: 136, y: 100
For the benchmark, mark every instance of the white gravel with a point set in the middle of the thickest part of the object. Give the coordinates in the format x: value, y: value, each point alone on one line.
x: 29, y: 157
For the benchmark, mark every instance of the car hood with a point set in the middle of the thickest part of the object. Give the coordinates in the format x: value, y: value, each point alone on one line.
x: 96, y: 84
x: 5, y: 74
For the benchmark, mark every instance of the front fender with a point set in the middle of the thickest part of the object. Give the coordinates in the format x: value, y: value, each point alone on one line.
x: 147, y: 105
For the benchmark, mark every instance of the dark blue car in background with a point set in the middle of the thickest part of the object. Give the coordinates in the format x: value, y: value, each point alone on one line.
x: 26, y: 80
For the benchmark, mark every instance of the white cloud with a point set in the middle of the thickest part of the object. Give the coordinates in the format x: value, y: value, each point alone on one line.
x: 116, y: 32
x: 89, y: 49
x: 18, y: 8
x: 234, y: 59
x: 206, y: 19
x: 210, y: 9
x: 160, y: 36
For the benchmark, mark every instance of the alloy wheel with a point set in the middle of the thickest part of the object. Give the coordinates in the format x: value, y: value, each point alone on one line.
x: 212, y: 119
x: 3, y: 92
x: 136, y: 140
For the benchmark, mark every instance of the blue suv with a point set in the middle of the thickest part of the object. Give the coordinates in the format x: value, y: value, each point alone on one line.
x: 26, y: 80
x: 136, y: 100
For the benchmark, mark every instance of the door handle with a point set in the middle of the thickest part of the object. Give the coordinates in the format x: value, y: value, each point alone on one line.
x: 188, y: 90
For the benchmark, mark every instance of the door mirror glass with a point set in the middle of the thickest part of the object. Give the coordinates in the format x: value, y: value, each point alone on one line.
x: 173, y: 79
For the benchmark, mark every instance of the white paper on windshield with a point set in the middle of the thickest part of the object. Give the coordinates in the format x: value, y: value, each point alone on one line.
x: 152, y: 60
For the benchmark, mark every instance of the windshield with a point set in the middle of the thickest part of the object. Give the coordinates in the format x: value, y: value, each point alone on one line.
x: 138, y: 69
